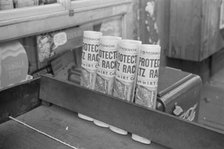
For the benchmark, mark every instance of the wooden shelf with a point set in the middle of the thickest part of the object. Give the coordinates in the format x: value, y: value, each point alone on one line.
x: 29, y: 21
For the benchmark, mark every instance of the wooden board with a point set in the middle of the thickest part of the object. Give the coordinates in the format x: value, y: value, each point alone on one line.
x: 194, y: 29
x: 36, y: 24
x: 157, y: 126
x: 211, y: 40
x: 185, y: 29
x: 54, y: 121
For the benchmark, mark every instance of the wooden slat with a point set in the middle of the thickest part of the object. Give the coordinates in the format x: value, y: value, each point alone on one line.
x: 185, y: 29
x: 86, y: 5
x: 163, y: 22
x: 211, y: 40
x: 194, y: 29
x: 142, y: 18
x: 19, y: 13
x: 159, y: 127
x: 40, y: 24
x: 54, y: 121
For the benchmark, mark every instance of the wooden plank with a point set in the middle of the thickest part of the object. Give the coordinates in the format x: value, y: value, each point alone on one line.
x: 157, y: 126
x: 185, y: 29
x: 41, y: 24
x: 194, y: 29
x: 29, y: 11
x: 86, y: 5
x: 210, y: 35
x: 142, y: 19
x: 66, y: 126
x: 163, y: 22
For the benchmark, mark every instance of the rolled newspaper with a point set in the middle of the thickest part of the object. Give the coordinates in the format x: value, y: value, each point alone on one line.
x: 126, y: 67
x: 148, y: 75
x: 90, y: 50
x: 147, y: 80
x: 107, y: 64
x: 106, y: 67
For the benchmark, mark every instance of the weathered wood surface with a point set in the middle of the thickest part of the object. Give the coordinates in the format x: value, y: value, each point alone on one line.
x: 157, y: 126
x: 211, y: 39
x: 85, y: 12
x: 194, y: 29
x: 65, y: 126
x: 185, y: 29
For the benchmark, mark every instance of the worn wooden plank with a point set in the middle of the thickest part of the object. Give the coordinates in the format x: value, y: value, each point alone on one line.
x: 86, y: 5
x: 54, y: 121
x: 30, y: 11
x: 194, y: 29
x: 60, y: 20
x: 157, y: 126
x: 142, y: 19
x: 185, y: 29
x: 163, y: 21
x: 210, y: 35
